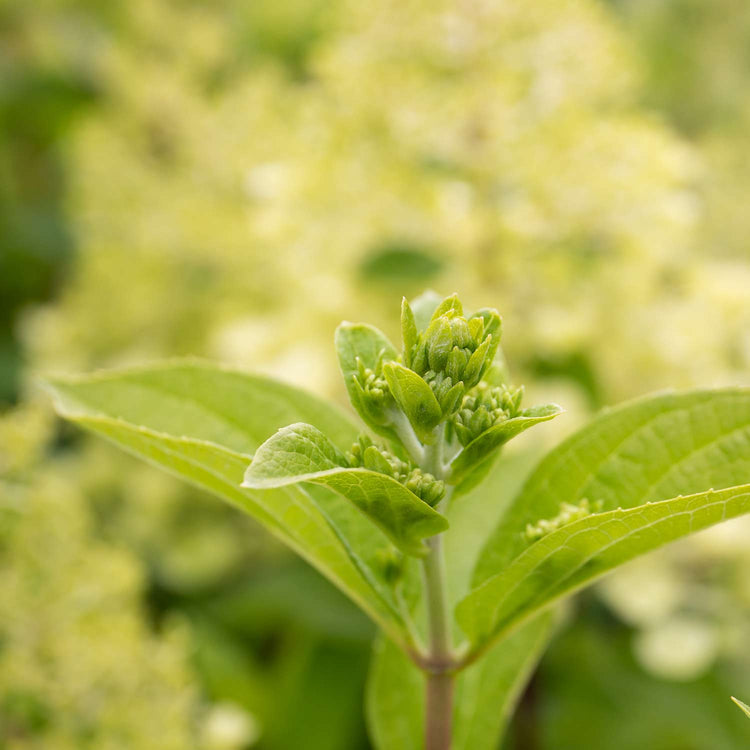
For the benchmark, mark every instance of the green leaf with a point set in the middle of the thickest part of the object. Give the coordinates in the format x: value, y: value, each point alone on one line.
x: 424, y: 306
x: 359, y: 341
x: 409, y: 332
x: 647, y: 450
x: 452, y: 303
x: 203, y: 401
x: 394, y: 699
x: 488, y: 691
x: 583, y: 550
x: 743, y: 706
x: 301, y: 453
x: 481, y: 448
x: 148, y: 412
x: 415, y: 398
x: 485, y: 693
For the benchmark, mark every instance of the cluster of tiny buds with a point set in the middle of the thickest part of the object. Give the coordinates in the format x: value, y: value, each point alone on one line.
x: 372, y: 381
x: 483, y: 408
x: 568, y: 513
x: 454, y: 352
x: 374, y: 395
x: 366, y: 454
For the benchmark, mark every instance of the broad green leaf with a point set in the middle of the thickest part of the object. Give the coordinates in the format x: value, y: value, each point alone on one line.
x: 481, y: 449
x: 301, y: 453
x: 203, y: 401
x: 485, y: 693
x: 359, y: 341
x: 743, y: 706
x: 148, y: 411
x: 643, y: 452
x: 581, y: 551
x: 394, y: 699
x: 647, y: 450
x: 488, y: 691
x: 415, y: 398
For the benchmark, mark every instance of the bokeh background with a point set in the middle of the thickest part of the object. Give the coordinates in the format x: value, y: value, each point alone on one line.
x: 230, y: 180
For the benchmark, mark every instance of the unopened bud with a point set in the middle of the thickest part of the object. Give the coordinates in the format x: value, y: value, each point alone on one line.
x: 439, y: 343
x: 391, y: 564
x: 425, y: 486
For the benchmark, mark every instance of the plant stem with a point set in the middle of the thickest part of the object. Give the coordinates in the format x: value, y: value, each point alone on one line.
x: 439, y: 677
x: 439, y: 711
x: 439, y: 669
x: 437, y: 604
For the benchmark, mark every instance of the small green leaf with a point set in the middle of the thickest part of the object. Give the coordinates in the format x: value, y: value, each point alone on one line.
x: 449, y: 303
x: 424, y: 306
x: 408, y: 330
x: 493, y: 323
x: 743, y: 706
x: 293, y: 453
x: 301, y: 453
x: 415, y: 398
x: 359, y: 341
x: 480, y: 450
x: 579, y: 552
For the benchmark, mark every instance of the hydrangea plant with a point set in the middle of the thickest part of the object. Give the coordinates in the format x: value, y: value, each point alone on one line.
x: 402, y: 516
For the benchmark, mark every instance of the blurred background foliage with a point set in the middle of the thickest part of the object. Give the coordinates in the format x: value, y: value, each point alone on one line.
x: 231, y: 180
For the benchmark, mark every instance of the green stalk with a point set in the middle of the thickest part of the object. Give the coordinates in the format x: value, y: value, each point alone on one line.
x: 439, y: 677
x: 440, y: 659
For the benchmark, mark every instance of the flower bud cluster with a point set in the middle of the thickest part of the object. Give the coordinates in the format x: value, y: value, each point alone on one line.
x: 568, y: 513
x: 374, y: 393
x: 366, y: 454
x: 454, y: 352
x: 485, y: 407
x: 391, y: 564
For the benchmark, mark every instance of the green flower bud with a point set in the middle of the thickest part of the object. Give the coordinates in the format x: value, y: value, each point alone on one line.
x: 439, y: 343
x: 450, y: 305
x: 476, y: 328
x: 461, y: 333
x: 478, y: 363
x: 355, y: 456
x: 451, y: 400
x: 483, y: 408
x: 492, y: 322
x: 391, y: 564
x: 365, y: 454
x: 408, y: 331
x: 419, y: 359
x: 425, y: 486
x: 373, y: 392
x: 374, y: 460
x: 457, y: 361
